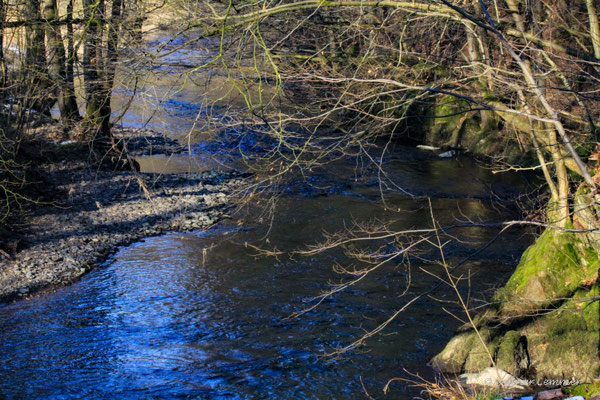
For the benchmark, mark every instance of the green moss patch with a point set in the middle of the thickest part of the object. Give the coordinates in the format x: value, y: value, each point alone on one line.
x: 553, y: 268
x: 585, y: 390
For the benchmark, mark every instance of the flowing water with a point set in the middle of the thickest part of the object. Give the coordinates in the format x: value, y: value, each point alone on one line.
x: 202, y: 315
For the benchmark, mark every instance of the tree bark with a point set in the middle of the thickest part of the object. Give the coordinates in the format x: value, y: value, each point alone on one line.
x: 594, y: 27
x: 96, y: 125
x: 110, y: 62
x: 57, y: 69
x: 70, y: 62
x: 36, y: 80
x: 3, y: 67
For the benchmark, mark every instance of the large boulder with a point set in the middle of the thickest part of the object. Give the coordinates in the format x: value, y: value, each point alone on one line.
x: 544, y: 323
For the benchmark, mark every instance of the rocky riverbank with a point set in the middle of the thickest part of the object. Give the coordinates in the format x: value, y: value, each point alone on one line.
x: 86, y: 212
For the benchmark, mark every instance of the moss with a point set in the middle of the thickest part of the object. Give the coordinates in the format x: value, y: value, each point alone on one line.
x: 505, y: 358
x: 585, y: 390
x: 452, y: 359
x: 465, y: 352
x: 438, y: 71
x: 564, y: 343
x: 449, y: 108
x: 585, y: 149
x: 453, y: 123
x: 584, y: 189
x: 479, y: 355
x: 547, y: 312
x: 553, y: 267
x: 448, y: 116
x: 482, y: 319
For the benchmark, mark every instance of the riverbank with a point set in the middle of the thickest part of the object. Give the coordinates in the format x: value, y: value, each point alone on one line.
x: 85, y: 213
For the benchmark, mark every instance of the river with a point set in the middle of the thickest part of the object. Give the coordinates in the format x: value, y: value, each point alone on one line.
x: 202, y: 315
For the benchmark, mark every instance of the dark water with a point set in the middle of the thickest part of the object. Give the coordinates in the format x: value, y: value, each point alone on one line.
x: 199, y: 315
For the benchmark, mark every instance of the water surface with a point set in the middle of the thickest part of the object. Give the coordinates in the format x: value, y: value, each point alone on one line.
x: 201, y: 315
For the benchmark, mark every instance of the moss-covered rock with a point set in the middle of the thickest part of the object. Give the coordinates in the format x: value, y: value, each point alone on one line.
x: 454, y: 356
x: 454, y: 123
x: 544, y: 323
x: 508, y: 357
x: 448, y: 115
x: 564, y: 343
x: 551, y: 269
x: 479, y: 355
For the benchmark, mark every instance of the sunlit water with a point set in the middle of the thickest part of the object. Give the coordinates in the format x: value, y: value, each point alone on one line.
x: 199, y: 315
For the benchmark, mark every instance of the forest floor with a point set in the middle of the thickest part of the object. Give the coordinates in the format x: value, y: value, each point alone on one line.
x: 86, y: 212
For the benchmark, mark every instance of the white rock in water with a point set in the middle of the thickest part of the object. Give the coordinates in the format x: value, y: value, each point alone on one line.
x: 448, y: 154
x: 575, y: 398
x: 425, y: 147
x: 494, y: 377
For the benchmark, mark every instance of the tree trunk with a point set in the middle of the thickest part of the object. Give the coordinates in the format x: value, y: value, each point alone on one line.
x: 96, y: 125
x: 57, y: 66
x: 594, y: 27
x: 133, y: 13
x: 110, y: 63
x: 3, y: 68
x: 37, y: 83
x: 71, y: 57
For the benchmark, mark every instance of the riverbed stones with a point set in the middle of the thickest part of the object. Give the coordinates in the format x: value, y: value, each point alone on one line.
x: 62, y: 242
x: 553, y: 394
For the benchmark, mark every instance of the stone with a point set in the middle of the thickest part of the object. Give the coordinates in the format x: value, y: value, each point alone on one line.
x: 496, y: 378
x: 508, y: 357
x: 452, y: 359
x: 554, y: 394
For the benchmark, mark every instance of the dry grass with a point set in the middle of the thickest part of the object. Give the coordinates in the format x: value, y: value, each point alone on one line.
x: 444, y: 388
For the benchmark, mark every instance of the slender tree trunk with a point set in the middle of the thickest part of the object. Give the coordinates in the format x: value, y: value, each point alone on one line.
x: 3, y: 68
x: 36, y: 82
x: 110, y: 62
x: 71, y: 57
x: 92, y: 72
x: 594, y: 26
x: 133, y: 13
x: 560, y: 171
x: 57, y: 65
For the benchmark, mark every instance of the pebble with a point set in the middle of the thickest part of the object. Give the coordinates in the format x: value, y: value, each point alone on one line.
x: 65, y: 241
x: 552, y: 394
x: 547, y: 394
